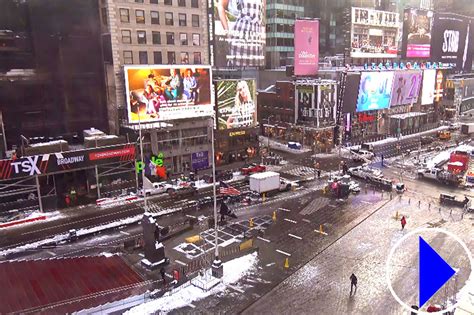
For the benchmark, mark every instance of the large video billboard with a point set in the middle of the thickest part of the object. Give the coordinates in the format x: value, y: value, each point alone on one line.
x: 306, y: 47
x: 374, y: 33
x: 236, y: 104
x: 428, y: 89
x: 161, y: 93
x: 406, y: 87
x: 374, y: 90
x: 450, y: 42
x: 350, y: 92
x: 239, y: 33
x: 417, y: 26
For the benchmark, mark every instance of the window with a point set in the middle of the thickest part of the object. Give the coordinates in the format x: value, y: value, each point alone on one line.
x: 195, y: 20
x: 143, y: 57
x: 197, y: 58
x: 153, y: 1
x: 182, y: 19
x: 155, y: 17
x: 103, y: 12
x: 156, y: 37
x: 196, y: 40
x: 127, y: 57
x: 171, y: 57
x: 183, y: 38
x: 124, y: 16
x: 141, y: 37
x: 185, y: 58
x: 157, y: 58
x: 181, y: 3
x: 139, y: 1
x: 169, y: 2
x: 140, y: 16
x: 194, y: 4
x: 126, y: 37
x: 169, y: 18
x: 169, y: 38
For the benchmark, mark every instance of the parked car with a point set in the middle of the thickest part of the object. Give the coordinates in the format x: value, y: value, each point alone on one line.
x: 252, y: 168
x: 364, y: 172
x: 220, y: 176
x: 158, y: 188
x: 294, y: 145
x: 362, y: 155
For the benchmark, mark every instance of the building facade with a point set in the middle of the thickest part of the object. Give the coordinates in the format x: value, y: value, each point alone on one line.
x: 51, y: 69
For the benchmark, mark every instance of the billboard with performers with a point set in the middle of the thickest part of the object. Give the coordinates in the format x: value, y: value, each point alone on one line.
x: 428, y: 88
x: 374, y: 91
x: 406, y: 87
x: 450, y: 42
x: 239, y: 33
x: 160, y: 93
x: 439, y: 85
x: 374, y: 33
x: 417, y: 27
x: 65, y: 161
x: 236, y: 104
x: 306, y: 47
x: 317, y: 103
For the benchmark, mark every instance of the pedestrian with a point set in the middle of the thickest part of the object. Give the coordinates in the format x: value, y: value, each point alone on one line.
x: 163, y: 275
x: 319, y: 174
x: 381, y: 156
x: 67, y: 199
x: 73, y: 195
x: 353, y: 279
x: 403, y: 221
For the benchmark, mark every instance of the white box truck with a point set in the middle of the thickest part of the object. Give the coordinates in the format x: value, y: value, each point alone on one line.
x: 264, y: 182
x: 467, y: 129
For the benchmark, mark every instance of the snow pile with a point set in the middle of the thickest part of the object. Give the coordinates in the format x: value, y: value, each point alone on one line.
x: 234, y: 270
x: 466, y: 303
x: 441, y: 157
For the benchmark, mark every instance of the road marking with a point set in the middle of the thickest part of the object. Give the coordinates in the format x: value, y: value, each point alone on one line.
x: 191, y: 305
x: 306, y: 220
x: 263, y: 239
x: 366, y: 202
x: 282, y: 252
x: 235, y: 288
x: 318, y: 231
x: 333, y: 206
x: 270, y: 264
x: 180, y: 262
x: 51, y: 253
x: 125, y: 233
x: 191, y: 216
x: 295, y: 236
x: 283, y: 209
x: 141, y: 255
x: 288, y: 220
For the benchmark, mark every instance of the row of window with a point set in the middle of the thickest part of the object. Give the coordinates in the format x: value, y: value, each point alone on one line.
x: 280, y: 42
x: 158, y: 57
x: 155, y: 18
x: 181, y: 3
x: 156, y: 38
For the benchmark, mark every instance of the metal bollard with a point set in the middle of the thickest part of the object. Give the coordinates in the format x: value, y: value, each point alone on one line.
x: 429, y: 206
x: 409, y: 200
x: 439, y: 209
x: 419, y: 203
x: 390, y: 196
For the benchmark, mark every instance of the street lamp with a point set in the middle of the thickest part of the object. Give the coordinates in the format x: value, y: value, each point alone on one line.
x: 142, y: 160
x: 268, y: 135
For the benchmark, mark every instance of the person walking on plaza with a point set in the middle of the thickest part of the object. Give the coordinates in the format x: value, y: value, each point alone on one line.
x: 163, y: 275
x: 382, y: 159
x: 403, y: 221
x: 67, y: 199
x: 353, y: 279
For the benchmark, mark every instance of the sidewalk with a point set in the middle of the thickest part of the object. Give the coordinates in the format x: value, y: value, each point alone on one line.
x: 282, y: 147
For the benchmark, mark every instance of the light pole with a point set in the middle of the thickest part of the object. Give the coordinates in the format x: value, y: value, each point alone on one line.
x: 268, y: 135
x: 216, y: 268
x: 142, y: 160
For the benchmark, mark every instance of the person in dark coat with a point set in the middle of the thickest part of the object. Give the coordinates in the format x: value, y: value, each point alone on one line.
x: 163, y: 275
x: 353, y: 279
x: 382, y: 159
x: 223, y: 211
x: 403, y: 221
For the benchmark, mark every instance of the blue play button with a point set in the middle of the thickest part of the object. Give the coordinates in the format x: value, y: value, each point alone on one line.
x: 433, y: 270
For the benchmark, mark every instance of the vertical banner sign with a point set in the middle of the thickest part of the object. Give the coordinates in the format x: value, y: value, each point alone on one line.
x: 200, y: 160
x: 306, y: 47
x: 305, y: 103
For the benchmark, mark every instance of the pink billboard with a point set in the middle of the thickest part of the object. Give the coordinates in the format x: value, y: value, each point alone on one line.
x: 306, y: 47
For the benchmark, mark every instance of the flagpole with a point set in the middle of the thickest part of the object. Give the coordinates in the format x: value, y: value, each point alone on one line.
x: 216, y: 252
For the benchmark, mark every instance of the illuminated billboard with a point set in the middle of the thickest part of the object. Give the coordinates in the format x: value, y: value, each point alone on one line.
x: 162, y: 93
x: 417, y: 26
x: 239, y: 33
x: 236, y: 104
x: 374, y: 33
x: 428, y: 89
x: 450, y: 42
x: 374, y: 91
x: 306, y: 47
x: 406, y: 87
x: 316, y: 104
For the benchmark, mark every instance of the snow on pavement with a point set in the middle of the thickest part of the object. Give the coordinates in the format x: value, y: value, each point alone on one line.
x: 234, y: 270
